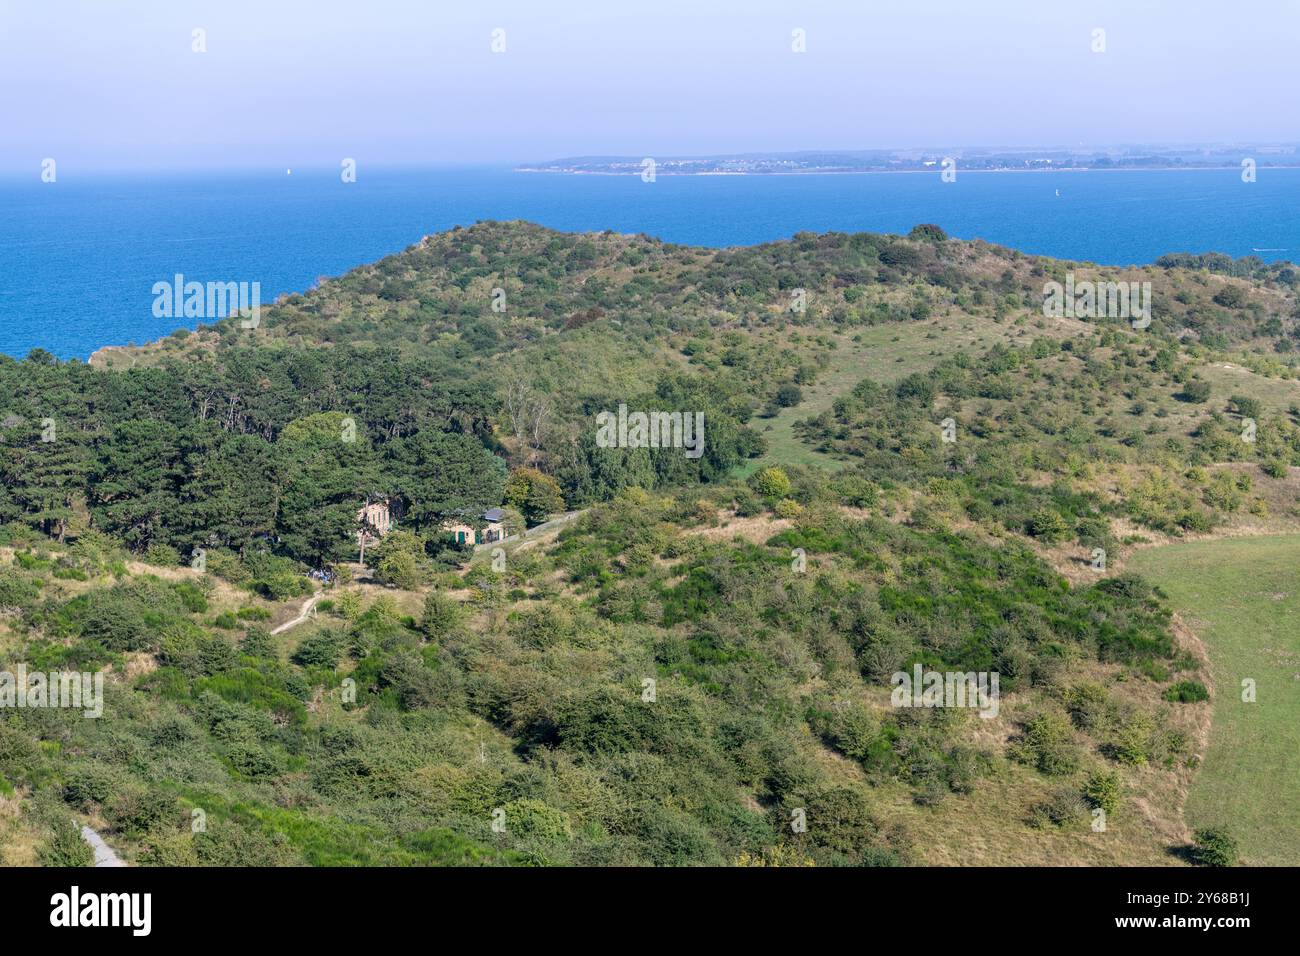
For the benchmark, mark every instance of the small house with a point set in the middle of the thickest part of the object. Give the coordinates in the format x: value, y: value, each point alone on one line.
x: 460, y: 532
x: 494, y: 528
x: 376, y: 520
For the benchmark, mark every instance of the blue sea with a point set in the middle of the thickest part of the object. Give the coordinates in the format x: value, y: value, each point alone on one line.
x: 79, y: 257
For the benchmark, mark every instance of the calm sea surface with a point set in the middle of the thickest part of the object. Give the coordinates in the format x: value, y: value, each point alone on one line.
x: 79, y: 257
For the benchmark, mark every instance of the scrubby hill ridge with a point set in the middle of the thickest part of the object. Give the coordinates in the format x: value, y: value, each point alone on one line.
x: 909, y: 464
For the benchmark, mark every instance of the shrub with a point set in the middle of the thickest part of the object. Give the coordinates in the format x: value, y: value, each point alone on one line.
x: 1230, y: 297
x: 853, y: 730
x: 1198, y: 522
x: 162, y: 555
x: 191, y: 595
x: 1195, y: 391
x: 1131, y: 742
x: 226, y: 620
x: 1062, y: 809
x: 65, y: 847
x: 772, y: 483
x: 789, y: 395
x: 1247, y: 407
x: 1103, y: 790
x: 93, y: 783
x: 404, y: 569
x: 1089, y: 706
x: 415, y: 684
x: 230, y: 844
x: 1048, y: 525
x: 857, y: 491
x: 927, y: 232
x: 442, y: 615
x: 399, y: 561
x: 174, y: 731
x: 841, y: 825
x: 136, y: 812
x: 788, y: 508
x: 227, y: 566
x: 17, y: 594
x: 323, y: 649
x: 1187, y: 692
x: 348, y: 605
x: 1214, y: 846
x: 125, y: 617
x: 281, y: 584
x: 258, y: 642
x: 775, y: 856
x: 901, y: 255
x: 252, y: 760
x: 531, y: 819
x: 1048, y: 744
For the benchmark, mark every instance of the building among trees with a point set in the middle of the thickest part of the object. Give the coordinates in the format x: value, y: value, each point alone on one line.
x: 376, y: 520
x: 494, y: 528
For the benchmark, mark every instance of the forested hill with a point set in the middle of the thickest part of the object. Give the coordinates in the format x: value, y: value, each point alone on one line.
x: 907, y: 464
x: 496, y: 345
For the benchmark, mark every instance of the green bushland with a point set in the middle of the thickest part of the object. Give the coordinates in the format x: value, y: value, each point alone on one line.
x: 640, y: 688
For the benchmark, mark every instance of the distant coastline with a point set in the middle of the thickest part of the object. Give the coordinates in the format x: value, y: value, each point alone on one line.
x: 901, y: 172
x: 933, y: 159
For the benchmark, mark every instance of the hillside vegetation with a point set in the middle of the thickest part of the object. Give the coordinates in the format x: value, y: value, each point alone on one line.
x: 906, y: 464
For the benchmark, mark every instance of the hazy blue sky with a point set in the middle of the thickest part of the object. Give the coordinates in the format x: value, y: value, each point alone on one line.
x: 99, y: 84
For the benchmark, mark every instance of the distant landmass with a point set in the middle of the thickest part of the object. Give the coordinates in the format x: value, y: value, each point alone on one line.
x: 931, y: 158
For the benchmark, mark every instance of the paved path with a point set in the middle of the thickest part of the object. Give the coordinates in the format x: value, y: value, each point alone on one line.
x: 534, y: 532
x: 104, y: 855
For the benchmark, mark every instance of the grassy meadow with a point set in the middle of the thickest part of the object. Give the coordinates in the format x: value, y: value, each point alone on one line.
x: 1242, y: 597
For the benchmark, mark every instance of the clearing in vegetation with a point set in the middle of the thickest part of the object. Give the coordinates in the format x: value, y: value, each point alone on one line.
x: 1242, y: 596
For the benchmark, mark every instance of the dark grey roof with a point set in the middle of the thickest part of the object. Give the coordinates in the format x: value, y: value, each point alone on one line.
x: 493, y: 514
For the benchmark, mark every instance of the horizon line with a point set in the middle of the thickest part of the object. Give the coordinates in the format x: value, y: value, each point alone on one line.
x: 12, y: 171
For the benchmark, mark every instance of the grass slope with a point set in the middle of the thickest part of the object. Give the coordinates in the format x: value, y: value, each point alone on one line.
x: 1242, y: 596
x: 886, y: 354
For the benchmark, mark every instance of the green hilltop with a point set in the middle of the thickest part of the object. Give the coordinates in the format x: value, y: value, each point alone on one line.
x: 907, y: 463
